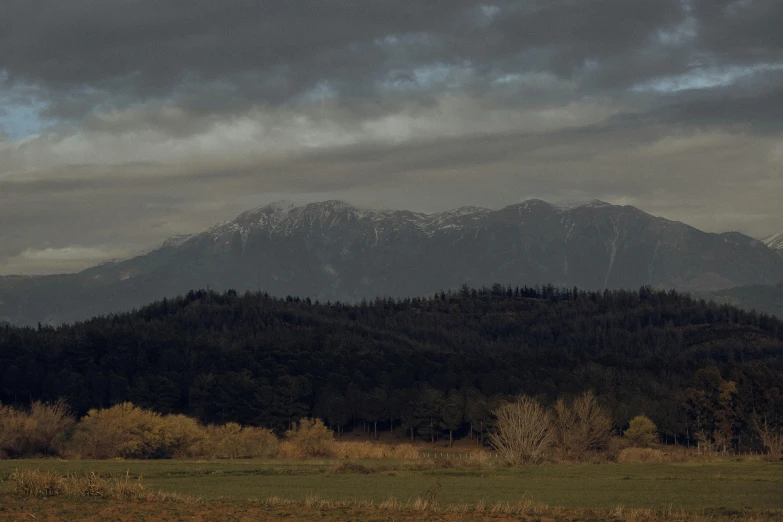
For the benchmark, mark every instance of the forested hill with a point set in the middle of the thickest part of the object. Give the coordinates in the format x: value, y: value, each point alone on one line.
x: 434, y: 363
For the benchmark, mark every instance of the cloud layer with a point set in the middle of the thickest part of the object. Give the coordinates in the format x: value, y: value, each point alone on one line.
x: 159, y: 118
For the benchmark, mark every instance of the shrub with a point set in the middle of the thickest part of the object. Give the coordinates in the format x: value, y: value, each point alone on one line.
x: 40, y: 431
x: 310, y: 438
x: 642, y: 432
x: 288, y: 450
x: 258, y: 443
x: 583, y: 426
x: 232, y: 441
x: 180, y: 437
x: 12, y: 427
x: 123, y: 431
x: 127, y: 431
x: 524, y: 431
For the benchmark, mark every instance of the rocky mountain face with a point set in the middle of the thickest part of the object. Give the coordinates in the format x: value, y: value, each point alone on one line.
x: 334, y: 251
x: 775, y: 242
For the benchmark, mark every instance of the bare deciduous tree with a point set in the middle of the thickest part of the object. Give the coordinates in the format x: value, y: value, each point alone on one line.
x: 582, y: 426
x: 705, y: 441
x: 771, y: 437
x: 523, y: 431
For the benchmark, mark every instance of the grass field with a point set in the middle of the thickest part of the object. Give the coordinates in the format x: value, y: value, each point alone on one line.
x: 723, y: 486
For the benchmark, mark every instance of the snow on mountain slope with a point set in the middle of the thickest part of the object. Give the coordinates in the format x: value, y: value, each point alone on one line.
x: 335, y: 251
x: 775, y: 241
x: 593, y: 245
x: 284, y: 218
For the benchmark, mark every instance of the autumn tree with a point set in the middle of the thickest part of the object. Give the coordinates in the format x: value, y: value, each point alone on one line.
x: 642, y: 432
x: 310, y: 438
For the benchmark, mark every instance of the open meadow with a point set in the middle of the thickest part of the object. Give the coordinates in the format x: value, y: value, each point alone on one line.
x: 443, y: 489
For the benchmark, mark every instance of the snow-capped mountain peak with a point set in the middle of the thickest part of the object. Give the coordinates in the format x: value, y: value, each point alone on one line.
x: 775, y: 241
x: 336, y: 251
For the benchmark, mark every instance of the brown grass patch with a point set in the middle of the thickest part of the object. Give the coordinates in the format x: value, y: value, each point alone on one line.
x: 67, y: 507
x: 44, y: 484
x: 373, y: 450
x: 642, y: 455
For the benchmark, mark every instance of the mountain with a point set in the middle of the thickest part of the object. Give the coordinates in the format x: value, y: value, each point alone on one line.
x: 775, y: 242
x: 766, y: 298
x: 334, y: 251
x: 763, y: 298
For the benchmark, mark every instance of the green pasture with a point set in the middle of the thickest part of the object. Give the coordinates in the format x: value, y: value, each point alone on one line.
x: 695, y: 486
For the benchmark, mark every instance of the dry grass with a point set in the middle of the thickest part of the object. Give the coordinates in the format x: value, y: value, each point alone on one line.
x: 651, y: 455
x: 480, y: 458
x: 373, y: 450
x: 36, y: 483
x: 472, y: 460
x: 310, y: 438
x: 316, y: 509
x: 641, y: 455
x: 524, y: 508
x: 527, y: 508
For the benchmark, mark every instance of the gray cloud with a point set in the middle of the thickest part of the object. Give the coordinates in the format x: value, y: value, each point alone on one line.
x: 214, y: 57
x: 164, y: 117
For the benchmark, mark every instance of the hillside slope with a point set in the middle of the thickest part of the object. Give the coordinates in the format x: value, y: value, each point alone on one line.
x: 259, y: 360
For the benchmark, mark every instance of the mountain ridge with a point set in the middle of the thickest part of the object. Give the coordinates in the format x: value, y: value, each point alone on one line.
x: 335, y: 251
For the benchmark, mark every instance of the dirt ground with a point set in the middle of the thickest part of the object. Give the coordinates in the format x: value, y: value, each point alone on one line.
x: 57, y: 510
x: 96, y: 510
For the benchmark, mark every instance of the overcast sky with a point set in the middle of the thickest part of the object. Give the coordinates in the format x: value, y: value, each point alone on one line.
x: 123, y: 122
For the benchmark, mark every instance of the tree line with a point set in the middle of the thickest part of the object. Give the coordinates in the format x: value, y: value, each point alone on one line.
x: 430, y: 367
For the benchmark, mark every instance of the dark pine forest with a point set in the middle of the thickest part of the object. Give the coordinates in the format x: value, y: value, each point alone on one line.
x: 423, y: 366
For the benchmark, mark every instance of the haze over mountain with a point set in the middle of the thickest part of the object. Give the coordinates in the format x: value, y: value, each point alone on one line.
x: 335, y: 251
x: 766, y: 298
x: 763, y: 298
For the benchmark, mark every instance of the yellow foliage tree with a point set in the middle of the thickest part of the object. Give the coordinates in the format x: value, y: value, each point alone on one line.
x: 642, y: 432
x: 310, y: 438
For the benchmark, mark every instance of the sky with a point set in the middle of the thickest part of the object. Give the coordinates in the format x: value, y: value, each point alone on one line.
x: 124, y: 122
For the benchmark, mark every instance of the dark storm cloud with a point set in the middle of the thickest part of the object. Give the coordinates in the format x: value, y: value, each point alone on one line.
x: 216, y: 56
x: 755, y: 103
x: 741, y: 30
